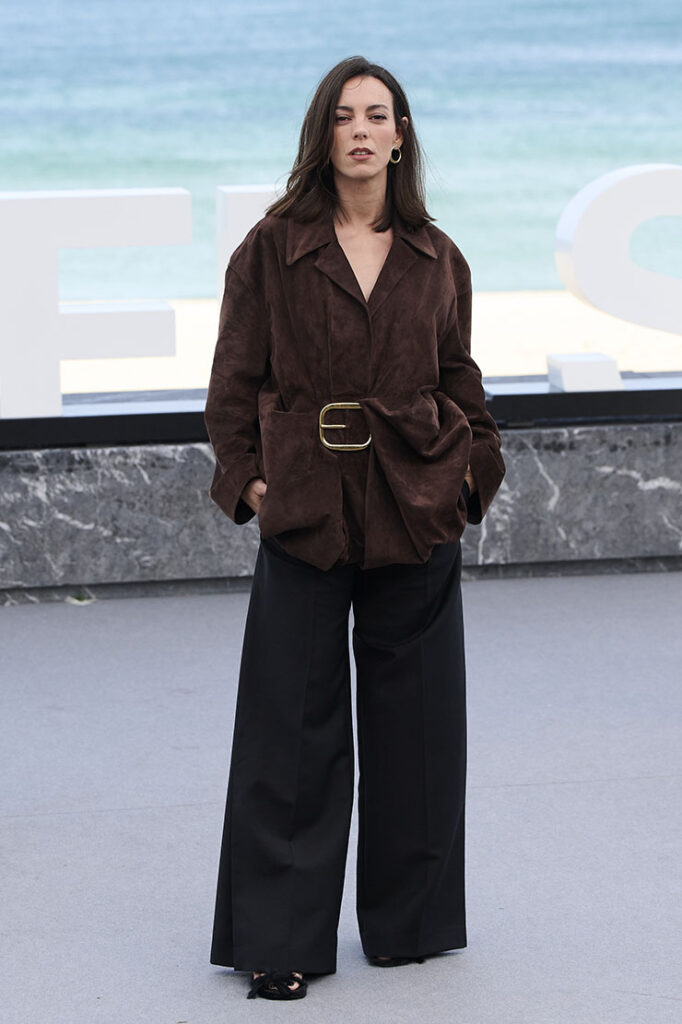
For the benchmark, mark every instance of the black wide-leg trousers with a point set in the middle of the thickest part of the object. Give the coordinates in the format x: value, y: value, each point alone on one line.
x: 292, y: 773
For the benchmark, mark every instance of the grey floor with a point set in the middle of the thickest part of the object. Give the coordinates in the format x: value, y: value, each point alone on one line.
x: 117, y: 721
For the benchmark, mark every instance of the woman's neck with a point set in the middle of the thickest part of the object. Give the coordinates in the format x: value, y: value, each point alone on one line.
x: 361, y: 202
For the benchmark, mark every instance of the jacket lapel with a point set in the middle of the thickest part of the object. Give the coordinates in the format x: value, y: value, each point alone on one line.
x: 398, y: 261
x: 333, y: 262
x: 401, y: 256
x: 303, y: 238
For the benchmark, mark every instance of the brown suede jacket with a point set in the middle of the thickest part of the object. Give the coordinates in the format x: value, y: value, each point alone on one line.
x: 295, y: 334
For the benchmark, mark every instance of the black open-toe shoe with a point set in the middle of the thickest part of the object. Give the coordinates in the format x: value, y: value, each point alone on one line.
x: 276, y: 985
x: 395, y: 961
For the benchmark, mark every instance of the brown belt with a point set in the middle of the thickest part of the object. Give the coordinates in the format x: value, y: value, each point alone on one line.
x: 339, y: 426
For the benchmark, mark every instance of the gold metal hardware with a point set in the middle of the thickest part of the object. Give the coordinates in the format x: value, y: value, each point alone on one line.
x: 339, y: 426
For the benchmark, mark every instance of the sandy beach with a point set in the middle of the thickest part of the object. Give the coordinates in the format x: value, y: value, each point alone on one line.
x: 512, y: 333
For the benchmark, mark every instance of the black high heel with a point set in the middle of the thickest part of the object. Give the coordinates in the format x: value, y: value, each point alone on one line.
x: 275, y: 985
x: 395, y: 961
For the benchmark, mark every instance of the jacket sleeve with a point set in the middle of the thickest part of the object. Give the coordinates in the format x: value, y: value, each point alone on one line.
x: 460, y: 379
x: 240, y: 367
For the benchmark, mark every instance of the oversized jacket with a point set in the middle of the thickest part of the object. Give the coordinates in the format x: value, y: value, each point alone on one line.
x: 295, y: 334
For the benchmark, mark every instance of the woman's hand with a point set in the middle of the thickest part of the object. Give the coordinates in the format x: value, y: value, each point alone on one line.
x: 470, y: 480
x: 253, y: 492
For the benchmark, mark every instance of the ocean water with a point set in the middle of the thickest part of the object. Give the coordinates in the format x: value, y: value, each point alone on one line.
x: 518, y: 105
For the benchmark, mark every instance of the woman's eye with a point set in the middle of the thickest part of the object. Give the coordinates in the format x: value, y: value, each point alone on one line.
x: 344, y: 117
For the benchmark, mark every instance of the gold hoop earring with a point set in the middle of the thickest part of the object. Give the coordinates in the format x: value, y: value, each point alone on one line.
x: 396, y: 149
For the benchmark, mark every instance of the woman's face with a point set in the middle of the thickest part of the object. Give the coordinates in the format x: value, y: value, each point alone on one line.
x: 365, y: 131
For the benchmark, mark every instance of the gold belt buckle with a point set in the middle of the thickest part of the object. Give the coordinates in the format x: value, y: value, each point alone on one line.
x: 339, y: 426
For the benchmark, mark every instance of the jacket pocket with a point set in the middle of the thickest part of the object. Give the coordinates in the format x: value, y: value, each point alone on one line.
x: 422, y: 447
x: 294, y: 498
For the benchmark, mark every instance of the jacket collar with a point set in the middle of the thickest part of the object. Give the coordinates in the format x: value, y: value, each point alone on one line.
x: 303, y: 238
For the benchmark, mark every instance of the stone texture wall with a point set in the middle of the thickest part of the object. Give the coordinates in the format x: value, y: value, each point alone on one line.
x: 112, y: 515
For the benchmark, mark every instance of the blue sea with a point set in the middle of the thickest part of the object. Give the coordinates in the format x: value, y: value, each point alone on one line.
x: 518, y: 105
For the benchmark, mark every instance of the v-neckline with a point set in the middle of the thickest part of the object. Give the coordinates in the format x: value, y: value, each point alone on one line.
x: 381, y: 270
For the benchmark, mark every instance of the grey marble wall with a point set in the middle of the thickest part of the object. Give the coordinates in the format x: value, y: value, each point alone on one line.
x: 594, y: 492
x: 88, y: 516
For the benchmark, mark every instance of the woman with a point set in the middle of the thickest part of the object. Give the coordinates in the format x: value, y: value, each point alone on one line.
x: 345, y: 410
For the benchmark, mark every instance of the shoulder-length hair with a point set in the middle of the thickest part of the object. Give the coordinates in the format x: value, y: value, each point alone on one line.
x: 310, y: 192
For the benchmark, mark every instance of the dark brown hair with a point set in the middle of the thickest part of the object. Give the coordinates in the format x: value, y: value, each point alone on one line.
x: 310, y: 191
